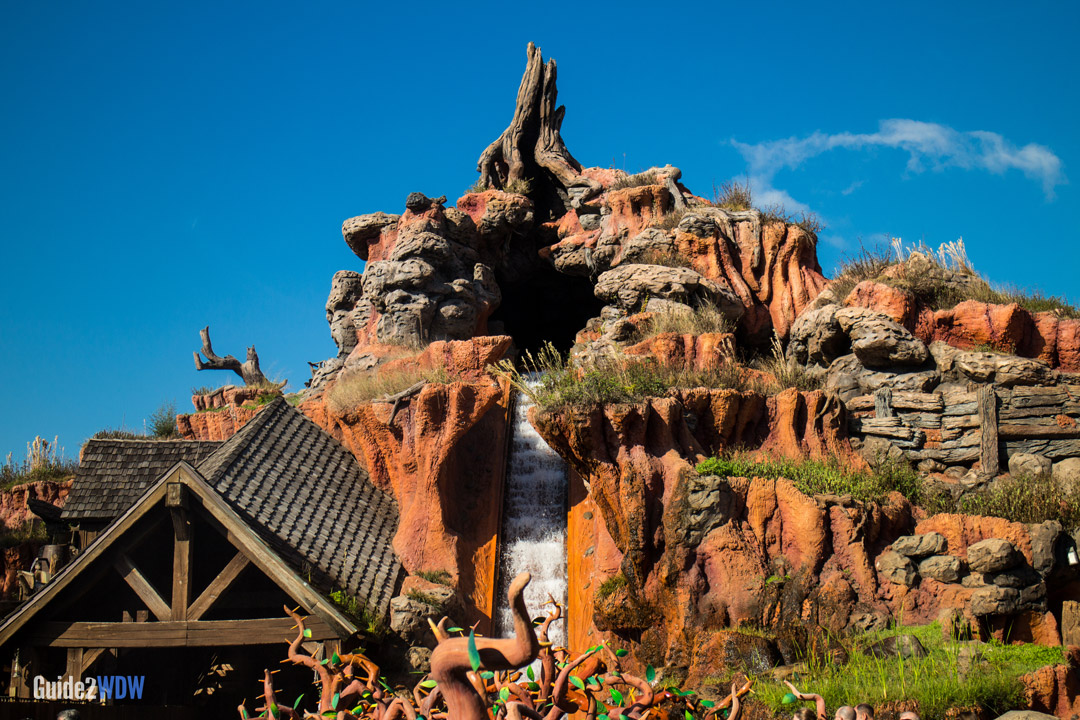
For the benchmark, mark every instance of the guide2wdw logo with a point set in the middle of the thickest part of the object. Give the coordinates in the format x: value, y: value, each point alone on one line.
x: 102, y: 687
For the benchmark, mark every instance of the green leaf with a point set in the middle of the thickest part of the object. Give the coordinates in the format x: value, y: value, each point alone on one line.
x: 534, y: 686
x: 616, y: 697
x: 273, y: 710
x: 329, y: 713
x: 576, y: 682
x: 650, y: 673
x: 504, y: 694
x: 428, y: 684
x: 789, y: 699
x: 707, y: 704
x: 593, y: 680
x: 688, y: 715
x: 601, y: 706
x: 453, y: 629
x: 474, y: 654
x: 603, y: 717
x: 538, y: 620
x: 307, y: 632
x: 359, y: 709
x: 335, y: 700
x: 335, y: 658
x: 297, y: 703
x: 622, y: 652
x: 243, y: 712
x: 487, y: 675
x: 529, y: 672
x: 325, y: 661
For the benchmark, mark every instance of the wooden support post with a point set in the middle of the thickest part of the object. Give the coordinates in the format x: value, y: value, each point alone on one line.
x: 176, y: 501
x: 883, y: 407
x: 74, y: 663
x: 219, y: 585
x: 988, y: 426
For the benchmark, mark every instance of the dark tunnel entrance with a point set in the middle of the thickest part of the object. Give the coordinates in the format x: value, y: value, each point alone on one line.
x: 546, y: 306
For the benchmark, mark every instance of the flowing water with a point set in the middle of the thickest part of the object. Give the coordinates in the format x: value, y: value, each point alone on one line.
x: 533, y: 524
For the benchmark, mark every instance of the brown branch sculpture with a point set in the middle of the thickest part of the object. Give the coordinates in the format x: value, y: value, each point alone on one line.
x: 249, y: 370
x: 450, y: 666
x: 532, y: 142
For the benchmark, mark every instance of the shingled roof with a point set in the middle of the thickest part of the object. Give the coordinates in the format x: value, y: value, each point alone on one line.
x: 311, y: 501
x: 114, y: 473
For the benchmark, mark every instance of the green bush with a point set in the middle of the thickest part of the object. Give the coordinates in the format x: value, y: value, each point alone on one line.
x: 29, y: 531
x: 1017, y: 499
x: 817, y: 477
x: 439, y: 577
x: 370, y: 621
x: 163, y: 421
x: 613, y: 583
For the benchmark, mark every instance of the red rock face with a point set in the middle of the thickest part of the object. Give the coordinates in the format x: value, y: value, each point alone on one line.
x: 637, y: 460
x: 217, y: 425
x: 1054, y: 689
x: 1007, y: 328
x: 707, y: 351
x: 13, y: 508
x: 12, y: 560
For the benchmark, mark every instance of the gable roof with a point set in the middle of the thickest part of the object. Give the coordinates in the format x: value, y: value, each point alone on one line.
x: 241, y: 535
x: 113, y: 474
x: 311, y: 501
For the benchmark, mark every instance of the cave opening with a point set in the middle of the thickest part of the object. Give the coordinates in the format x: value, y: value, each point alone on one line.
x: 546, y: 305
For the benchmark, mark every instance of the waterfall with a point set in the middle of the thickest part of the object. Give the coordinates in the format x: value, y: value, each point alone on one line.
x: 533, y: 524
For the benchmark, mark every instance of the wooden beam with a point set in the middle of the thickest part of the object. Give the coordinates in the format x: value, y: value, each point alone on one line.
x: 181, y: 577
x: 142, y: 587
x: 988, y: 424
x: 90, y: 656
x: 1017, y: 431
x: 215, y: 589
x: 206, y: 633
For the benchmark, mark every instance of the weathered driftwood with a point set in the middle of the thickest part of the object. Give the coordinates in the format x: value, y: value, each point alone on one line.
x: 988, y: 427
x: 248, y: 370
x: 531, y: 148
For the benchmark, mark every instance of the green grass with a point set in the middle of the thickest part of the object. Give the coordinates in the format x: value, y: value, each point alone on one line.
x: 422, y: 597
x: 1018, y: 499
x: 613, y: 583
x: 439, y: 577
x: 44, y: 461
x: 817, y: 477
x: 934, y: 681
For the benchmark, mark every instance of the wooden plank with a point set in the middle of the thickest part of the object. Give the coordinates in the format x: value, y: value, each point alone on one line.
x: 883, y: 403
x: 923, y: 402
x: 929, y: 421
x: 988, y: 426
x: 1036, y: 430
x: 219, y: 585
x: 863, y: 402
x: 142, y: 587
x: 1070, y: 408
x: 959, y: 421
x: 207, y: 633
x: 1053, y: 448
x: 181, y: 577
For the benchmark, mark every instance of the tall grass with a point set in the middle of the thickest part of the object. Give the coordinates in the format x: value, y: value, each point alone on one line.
x: 786, y: 372
x: 819, y: 477
x: 631, y: 380
x: 936, y: 682
x: 43, y: 461
x: 733, y: 195
x: 354, y: 390
x: 648, y: 177
x: 1019, y: 499
x: 704, y: 318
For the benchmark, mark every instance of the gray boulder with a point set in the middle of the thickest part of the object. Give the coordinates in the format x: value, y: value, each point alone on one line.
x: 1029, y: 465
x: 896, y: 568
x: 993, y: 555
x: 994, y: 600
x: 907, y: 647
x: 943, y: 568
x: 879, y: 341
x: 816, y: 337
x: 917, y: 546
x: 629, y: 286
x: 1066, y: 475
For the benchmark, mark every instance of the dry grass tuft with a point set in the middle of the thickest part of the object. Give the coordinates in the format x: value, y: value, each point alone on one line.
x: 356, y: 389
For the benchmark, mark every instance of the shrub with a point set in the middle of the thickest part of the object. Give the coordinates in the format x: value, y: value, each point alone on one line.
x: 613, y: 583
x: 477, y: 187
x: 518, y: 187
x: 645, y: 178
x: 353, y: 390
x: 205, y: 389
x: 371, y: 622
x: 43, y: 461
x: 1018, y: 499
x: 163, y: 421
x: 733, y: 195
x: 818, y: 477
x: 29, y: 531
x: 117, y: 434
x: 422, y: 597
x: 808, y: 221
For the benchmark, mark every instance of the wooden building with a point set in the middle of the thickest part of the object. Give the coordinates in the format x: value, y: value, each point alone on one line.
x: 191, y: 573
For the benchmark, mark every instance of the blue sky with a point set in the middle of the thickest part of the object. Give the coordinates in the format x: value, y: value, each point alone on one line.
x: 164, y: 166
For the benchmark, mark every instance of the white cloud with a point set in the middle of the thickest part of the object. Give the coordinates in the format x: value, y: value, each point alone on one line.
x: 928, y: 145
